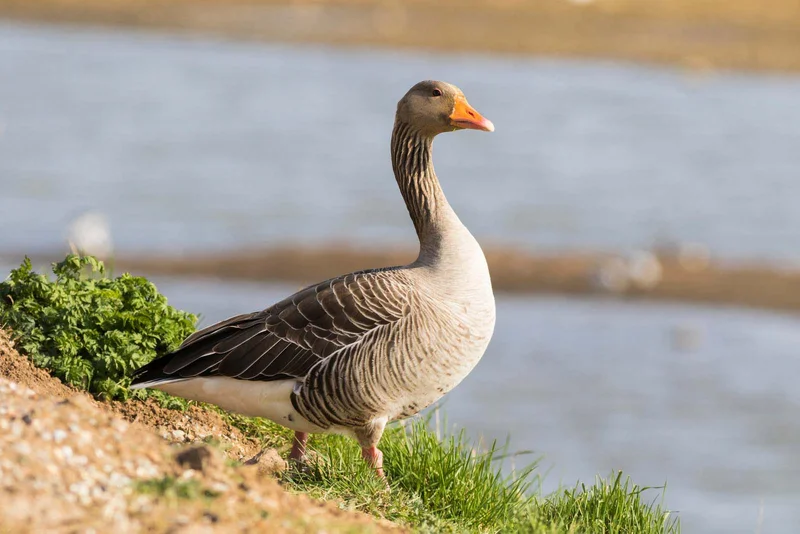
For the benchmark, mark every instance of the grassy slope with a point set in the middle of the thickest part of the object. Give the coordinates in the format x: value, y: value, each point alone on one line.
x: 446, y: 485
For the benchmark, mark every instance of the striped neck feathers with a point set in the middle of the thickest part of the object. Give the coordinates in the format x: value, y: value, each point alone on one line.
x: 413, y: 168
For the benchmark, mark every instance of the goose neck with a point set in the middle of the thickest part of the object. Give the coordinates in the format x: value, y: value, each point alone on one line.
x: 427, y: 205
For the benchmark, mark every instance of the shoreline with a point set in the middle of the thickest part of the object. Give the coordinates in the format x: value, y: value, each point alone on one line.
x: 698, y: 36
x: 663, y: 276
x: 513, y: 271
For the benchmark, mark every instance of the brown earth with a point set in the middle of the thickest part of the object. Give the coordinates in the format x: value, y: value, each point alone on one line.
x: 69, y: 463
x: 690, y: 277
x: 682, y: 278
x: 698, y: 34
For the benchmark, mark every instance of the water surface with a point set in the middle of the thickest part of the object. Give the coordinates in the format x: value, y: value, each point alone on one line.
x: 198, y: 144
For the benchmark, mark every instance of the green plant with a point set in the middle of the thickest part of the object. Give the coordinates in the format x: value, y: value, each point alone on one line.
x: 89, y: 330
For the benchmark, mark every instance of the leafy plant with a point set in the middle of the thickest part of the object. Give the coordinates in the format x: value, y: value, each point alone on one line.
x: 89, y: 330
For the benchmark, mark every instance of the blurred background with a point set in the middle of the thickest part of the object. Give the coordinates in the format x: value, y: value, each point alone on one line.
x: 638, y: 201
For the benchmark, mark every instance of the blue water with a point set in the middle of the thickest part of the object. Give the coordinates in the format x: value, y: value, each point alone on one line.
x: 192, y: 143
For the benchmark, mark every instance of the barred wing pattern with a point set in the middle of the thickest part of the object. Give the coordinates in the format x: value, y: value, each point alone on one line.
x: 291, y: 337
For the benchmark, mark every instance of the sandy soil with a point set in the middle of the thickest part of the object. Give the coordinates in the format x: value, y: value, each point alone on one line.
x: 71, y: 464
x: 698, y: 34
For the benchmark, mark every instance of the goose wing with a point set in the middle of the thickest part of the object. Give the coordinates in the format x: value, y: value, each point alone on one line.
x: 289, y: 338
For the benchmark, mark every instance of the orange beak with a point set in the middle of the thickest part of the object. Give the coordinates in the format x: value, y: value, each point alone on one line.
x: 465, y: 116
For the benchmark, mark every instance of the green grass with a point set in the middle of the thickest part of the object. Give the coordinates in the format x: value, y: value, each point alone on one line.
x: 93, y: 331
x: 174, y: 488
x: 612, y: 507
x: 436, y: 485
x: 269, y: 434
x: 446, y: 485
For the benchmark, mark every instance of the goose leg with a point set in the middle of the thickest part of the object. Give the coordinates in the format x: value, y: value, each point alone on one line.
x: 299, y: 442
x: 374, y: 458
x: 368, y: 437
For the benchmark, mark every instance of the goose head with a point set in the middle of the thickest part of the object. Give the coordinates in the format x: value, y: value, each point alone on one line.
x: 434, y: 107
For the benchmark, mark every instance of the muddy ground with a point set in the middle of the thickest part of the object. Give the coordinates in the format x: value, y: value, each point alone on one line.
x: 660, y: 275
x: 70, y: 464
x: 697, y: 34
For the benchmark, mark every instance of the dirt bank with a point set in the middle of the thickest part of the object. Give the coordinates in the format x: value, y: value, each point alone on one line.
x: 699, y: 34
x: 665, y: 277
x: 71, y: 464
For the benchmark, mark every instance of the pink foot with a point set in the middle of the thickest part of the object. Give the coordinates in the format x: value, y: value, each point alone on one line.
x: 374, y: 458
x: 298, y: 453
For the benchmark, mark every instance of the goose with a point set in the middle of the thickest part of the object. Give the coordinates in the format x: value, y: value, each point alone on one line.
x: 352, y: 353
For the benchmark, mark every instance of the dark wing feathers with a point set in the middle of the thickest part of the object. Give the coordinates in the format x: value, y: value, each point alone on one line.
x: 287, y: 339
x: 234, y: 322
x: 202, y: 366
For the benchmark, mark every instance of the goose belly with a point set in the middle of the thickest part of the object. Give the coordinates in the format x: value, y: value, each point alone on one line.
x: 270, y: 400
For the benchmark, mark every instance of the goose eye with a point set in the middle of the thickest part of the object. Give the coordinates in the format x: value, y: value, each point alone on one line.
x: 437, y: 92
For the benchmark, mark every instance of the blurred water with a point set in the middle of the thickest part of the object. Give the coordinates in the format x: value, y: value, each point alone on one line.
x: 198, y: 144
x: 705, y: 400
x: 191, y: 144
